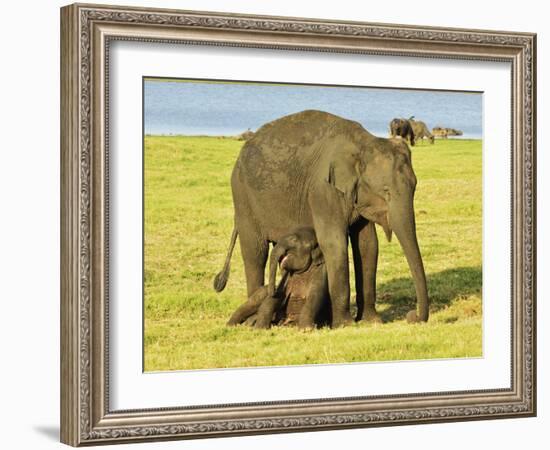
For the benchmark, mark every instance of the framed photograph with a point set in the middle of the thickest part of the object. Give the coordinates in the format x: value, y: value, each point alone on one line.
x: 276, y: 224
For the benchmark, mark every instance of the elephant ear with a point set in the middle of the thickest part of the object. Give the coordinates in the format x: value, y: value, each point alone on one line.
x: 379, y: 215
x: 344, y: 176
x: 317, y: 256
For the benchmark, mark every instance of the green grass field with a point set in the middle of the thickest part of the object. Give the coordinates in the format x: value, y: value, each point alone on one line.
x: 188, y: 222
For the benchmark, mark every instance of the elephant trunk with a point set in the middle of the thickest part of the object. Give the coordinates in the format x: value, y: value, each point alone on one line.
x: 276, y: 254
x: 403, y: 224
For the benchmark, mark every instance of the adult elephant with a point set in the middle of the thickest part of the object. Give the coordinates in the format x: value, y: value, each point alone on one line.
x: 402, y: 128
x: 315, y: 169
x: 421, y: 131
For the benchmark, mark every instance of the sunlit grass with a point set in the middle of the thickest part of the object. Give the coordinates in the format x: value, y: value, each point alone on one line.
x: 188, y: 222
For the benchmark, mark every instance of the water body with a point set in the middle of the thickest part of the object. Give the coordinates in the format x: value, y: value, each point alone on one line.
x: 229, y: 108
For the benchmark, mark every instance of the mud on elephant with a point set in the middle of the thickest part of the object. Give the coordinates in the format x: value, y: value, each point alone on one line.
x: 315, y: 169
x: 444, y: 133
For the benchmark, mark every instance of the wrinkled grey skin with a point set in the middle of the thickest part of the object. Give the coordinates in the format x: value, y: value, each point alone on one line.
x: 421, y: 131
x: 315, y: 169
x: 402, y: 128
x: 299, y: 256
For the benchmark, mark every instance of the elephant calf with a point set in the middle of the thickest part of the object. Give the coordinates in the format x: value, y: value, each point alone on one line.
x: 302, y: 293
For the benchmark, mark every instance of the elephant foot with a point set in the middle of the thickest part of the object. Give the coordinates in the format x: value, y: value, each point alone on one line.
x: 371, y: 316
x: 342, y: 320
x: 263, y: 323
x: 235, y: 319
x: 251, y: 321
x: 306, y: 325
x: 412, y: 317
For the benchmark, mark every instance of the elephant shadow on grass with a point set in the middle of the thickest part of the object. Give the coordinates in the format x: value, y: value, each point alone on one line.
x: 443, y: 288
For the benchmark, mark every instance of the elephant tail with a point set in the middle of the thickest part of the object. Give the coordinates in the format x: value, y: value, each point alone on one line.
x: 221, y: 278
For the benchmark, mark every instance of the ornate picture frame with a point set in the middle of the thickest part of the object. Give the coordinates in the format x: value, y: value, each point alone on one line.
x: 87, y: 31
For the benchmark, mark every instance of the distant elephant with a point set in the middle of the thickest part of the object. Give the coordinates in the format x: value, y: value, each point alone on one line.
x: 421, y: 131
x: 402, y: 128
x: 313, y: 169
x: 245, y: 136
x: 446, y: 132
x: 303, y: 283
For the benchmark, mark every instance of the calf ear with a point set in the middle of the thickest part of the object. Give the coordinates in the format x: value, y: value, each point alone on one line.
x: 317, y: 256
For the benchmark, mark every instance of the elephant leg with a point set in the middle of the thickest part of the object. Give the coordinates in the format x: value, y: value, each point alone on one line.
x: 335, y: 251
x: 264, y: 317
x: 251, y: 321
x: 316, y: 298
x: 249, y: 308
x: 364, y: 244
x: 331, y: 228
x: 254, y: 250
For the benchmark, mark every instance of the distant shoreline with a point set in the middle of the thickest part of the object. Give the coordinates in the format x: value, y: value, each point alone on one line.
x: 236, y: 136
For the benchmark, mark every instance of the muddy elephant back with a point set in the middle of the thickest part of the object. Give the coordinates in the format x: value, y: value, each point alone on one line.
x: 295, y: 130
x: 278, y: 154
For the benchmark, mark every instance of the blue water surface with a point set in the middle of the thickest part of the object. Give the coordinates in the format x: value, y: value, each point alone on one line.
x: 229, y: 108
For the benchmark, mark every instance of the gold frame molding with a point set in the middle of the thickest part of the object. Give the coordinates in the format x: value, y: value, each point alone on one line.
x: 86, y: 32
